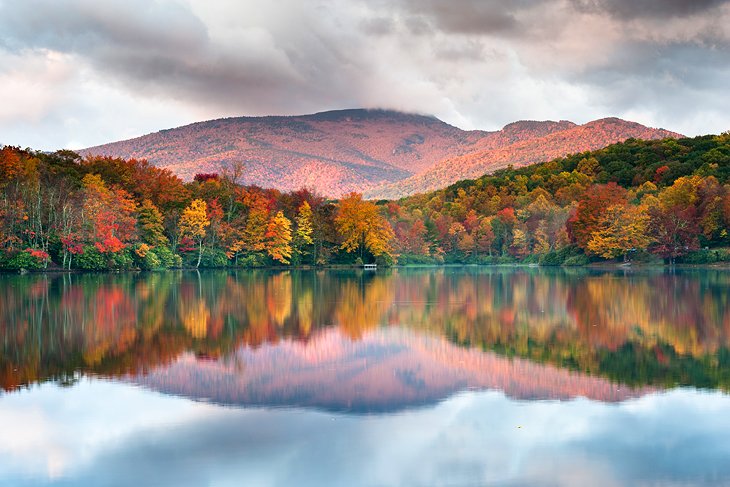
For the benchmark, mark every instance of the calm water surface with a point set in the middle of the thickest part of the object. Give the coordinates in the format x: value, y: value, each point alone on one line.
x: 450, y: 376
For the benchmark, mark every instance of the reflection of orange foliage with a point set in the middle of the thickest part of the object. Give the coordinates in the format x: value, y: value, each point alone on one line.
x: 279, y: 297
x: 119, y: 324
x: 362, y: 306
x: 665, y: 308
x: 194, y: 317
x: 113, y: 323
x: 305, y: 308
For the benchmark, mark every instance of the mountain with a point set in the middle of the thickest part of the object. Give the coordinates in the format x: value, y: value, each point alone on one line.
x: 383, y: 153
x: 566, y: 139
x: 333, y: 152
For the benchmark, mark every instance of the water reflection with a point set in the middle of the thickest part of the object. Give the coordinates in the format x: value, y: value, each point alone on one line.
x: 103, y: 433
x: 357, y: 341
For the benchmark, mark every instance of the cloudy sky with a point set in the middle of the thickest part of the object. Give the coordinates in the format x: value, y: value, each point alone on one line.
x: 76, y: 73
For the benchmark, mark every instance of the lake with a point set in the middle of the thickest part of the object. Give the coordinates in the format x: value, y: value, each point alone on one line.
x: 461, y: 376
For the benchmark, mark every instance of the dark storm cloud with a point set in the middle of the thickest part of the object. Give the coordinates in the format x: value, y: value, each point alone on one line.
x: 465, y: 16
x: 630, y: 9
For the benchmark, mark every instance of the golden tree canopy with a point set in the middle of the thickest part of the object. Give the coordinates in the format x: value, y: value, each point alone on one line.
x: 278, y: 238
x: 361, y: 225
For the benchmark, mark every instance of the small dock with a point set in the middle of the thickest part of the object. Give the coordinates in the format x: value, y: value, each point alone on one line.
x: 370, y: 267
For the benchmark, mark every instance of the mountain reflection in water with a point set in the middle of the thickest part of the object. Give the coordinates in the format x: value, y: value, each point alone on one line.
x: 370, y: 342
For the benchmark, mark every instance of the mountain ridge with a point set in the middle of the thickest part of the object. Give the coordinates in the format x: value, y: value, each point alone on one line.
x: 375, y: 151
x: 592, y: 135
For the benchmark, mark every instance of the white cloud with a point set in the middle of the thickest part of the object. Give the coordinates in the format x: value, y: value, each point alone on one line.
x: 103, y: 72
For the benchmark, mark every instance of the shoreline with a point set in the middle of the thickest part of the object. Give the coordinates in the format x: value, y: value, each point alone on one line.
x: 606, y: 266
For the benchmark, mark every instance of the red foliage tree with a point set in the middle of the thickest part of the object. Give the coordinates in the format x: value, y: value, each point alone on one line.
x: 591, y: 206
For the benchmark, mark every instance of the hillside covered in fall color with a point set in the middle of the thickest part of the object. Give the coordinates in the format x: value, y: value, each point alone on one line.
x: 530, y: 146
x: 637, y: 200
x: 330, y: 152
x: 385, y: 153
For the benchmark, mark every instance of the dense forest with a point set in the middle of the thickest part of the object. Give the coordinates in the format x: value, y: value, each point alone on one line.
x: 665, y: 199
x: 635, y: 200
x: 63, y: 211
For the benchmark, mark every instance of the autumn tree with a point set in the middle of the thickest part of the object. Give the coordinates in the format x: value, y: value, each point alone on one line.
x: 215, y: 217
x: 193, y: 224
x: 675, y: 220
x: 674, y: 231
x: 361, y: 226
x: 304, y: 229
x: 485, y: 236
x: 590, y: 211
x: 150, y: 225
x: 460, y: 239
x: 503, y: 227
x: 254, y: 232
x: 619, y: 230
x: 109, y: 215
x: 414, y: 241
x: 278, y: 238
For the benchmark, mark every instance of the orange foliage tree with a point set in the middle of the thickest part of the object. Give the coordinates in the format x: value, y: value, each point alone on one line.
x: 361, y: 226
x: 591, y: 208
x: 278, y: 238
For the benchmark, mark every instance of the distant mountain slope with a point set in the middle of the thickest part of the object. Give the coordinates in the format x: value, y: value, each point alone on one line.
x: 332, y: 152
x: 383, y: 153
x: 567, y: 139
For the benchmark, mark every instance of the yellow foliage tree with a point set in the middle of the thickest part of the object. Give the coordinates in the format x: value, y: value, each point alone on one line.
x: 193, y: 222
x: 621, y: 228
x: 361, y: 226
x: 303, y: 234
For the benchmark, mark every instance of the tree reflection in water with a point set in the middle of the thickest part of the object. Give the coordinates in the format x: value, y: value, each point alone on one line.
x: 657, y: 329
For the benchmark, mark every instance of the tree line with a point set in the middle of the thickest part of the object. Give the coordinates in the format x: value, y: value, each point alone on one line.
x: 63, y: 211
x: 667, y: 199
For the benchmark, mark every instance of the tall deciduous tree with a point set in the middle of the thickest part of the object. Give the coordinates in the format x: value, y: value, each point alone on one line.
x: 151, y: 225
x: 590, y: 211
x: 361, y: 226
x: 278, y: 238
x: 109, y: 215
x: 620, y: 229
x: 193, y: 224
x: 303, y: 234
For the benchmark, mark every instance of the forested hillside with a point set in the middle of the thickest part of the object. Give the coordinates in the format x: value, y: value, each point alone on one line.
x: 391, y: 153
x: 668, y: 198
x: 331, y: 152
x: 634, y: 200
x: 565, y: 138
